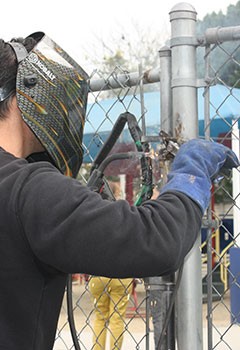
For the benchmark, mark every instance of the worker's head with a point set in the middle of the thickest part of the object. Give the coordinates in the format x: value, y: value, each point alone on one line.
x: 51, y: 91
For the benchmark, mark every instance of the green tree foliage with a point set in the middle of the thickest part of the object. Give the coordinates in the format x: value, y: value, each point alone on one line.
x: 225, y: 58
x: 224, y: 66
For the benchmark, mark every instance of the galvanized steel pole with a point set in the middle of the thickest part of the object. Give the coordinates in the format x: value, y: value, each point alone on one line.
x: 222, y: 34
x: 123, y: 80
x: 185, y: 125
x: 168, y: 339
x: 165, y: 90
x: 209, y: 211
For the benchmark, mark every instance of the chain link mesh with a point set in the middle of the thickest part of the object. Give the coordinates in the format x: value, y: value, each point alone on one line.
x: 221, y: 282
x: 219, y: 236
x: 123, y: 315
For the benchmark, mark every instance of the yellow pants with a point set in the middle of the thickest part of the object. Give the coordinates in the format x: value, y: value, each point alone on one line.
x: 110, y: 301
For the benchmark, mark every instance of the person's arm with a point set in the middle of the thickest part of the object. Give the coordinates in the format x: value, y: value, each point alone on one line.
x: 74, y: 230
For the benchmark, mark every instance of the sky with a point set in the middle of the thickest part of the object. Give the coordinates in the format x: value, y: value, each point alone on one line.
x: 76, y: 25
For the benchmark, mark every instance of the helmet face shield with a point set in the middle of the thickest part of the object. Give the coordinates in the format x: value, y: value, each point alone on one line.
x: 52, y: 91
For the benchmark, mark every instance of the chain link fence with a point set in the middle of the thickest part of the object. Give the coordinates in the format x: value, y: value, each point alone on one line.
x: 221, y: 283
x: 100, y: 304
x: 208, y: 298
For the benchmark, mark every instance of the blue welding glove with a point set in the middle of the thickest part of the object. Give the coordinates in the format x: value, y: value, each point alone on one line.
x: 196, y: 165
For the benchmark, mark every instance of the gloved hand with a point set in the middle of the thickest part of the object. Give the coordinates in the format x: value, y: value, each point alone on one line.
x: 196, y: 165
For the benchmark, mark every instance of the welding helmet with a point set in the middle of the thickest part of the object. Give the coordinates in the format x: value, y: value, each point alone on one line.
x: 51, y: 90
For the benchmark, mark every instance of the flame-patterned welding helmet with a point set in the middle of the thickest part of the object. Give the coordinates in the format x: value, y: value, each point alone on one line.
x: 52, y: 91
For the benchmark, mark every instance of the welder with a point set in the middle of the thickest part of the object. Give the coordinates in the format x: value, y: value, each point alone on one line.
x: 52, y: 225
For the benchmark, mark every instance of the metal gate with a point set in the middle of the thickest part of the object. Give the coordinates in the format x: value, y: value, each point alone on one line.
x: 207, y: 310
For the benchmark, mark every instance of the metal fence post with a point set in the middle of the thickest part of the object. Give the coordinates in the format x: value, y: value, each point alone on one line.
x: 185, y: 125
x: 165, y: 90
x: 167, y: 282
x: 209, y: 277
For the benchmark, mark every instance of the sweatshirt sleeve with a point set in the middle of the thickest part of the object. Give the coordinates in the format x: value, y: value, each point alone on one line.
x: 72, y: 229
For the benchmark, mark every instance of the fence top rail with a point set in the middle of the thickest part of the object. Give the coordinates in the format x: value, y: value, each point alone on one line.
x: 221, y: 34
x: 123, y: 80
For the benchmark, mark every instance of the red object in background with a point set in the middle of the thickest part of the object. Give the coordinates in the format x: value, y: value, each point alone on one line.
x: 129, y: 189
x: 130, y: 168
x: 225, y: 138
x: 126, y: 166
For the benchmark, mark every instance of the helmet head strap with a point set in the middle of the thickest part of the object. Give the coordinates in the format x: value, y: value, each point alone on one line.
x: 19, y: 49
x: 21, y: 53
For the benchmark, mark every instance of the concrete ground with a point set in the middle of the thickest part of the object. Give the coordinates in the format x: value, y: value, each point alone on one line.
x: 225, y: 335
